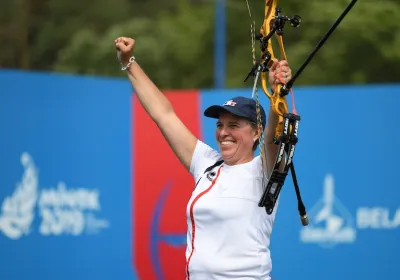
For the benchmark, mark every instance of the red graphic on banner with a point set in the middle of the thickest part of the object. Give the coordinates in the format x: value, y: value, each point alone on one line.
x: 161, y: 190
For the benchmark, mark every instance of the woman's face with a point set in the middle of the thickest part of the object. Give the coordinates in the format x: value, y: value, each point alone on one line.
x: 235, y: 137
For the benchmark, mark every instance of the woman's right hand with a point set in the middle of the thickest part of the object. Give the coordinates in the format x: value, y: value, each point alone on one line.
x: 125, y: 47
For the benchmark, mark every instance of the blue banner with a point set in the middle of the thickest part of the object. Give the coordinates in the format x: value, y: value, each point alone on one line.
x: 65, y: 177
x: 346, y: 166
x: 66, y: 180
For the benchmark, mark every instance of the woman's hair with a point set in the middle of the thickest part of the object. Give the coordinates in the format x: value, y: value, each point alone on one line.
x: 257, y: 142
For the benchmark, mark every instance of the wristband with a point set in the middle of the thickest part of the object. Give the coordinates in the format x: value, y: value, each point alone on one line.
x: 131, y: 60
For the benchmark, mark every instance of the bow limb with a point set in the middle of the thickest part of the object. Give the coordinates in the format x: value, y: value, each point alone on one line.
x: 278, y: 104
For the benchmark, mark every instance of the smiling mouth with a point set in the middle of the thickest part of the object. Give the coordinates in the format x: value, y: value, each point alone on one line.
x: 226, y: 143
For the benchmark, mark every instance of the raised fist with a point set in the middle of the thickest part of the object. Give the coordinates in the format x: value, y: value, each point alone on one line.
x: 125, y: 47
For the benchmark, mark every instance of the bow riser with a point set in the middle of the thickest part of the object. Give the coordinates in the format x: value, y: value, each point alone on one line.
x: 273, y: 27
x: 285, y: 135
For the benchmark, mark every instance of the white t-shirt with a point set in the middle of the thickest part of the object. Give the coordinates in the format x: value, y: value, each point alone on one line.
x: 229, y: 232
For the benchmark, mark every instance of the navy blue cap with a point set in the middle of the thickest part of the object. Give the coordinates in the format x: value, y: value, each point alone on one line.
x: 239, y: 106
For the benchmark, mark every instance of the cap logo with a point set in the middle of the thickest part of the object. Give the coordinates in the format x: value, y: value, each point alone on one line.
x: 230, y: 103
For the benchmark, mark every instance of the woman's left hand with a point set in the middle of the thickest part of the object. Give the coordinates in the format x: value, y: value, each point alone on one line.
x: 279, y: 72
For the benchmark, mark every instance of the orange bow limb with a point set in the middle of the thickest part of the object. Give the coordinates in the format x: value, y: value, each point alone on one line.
x: 269, y: 29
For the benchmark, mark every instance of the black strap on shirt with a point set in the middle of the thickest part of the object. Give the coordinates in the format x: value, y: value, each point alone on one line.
x: 218, y: 163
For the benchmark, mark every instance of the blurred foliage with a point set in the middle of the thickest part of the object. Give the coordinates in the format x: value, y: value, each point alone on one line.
x: 175, y: 39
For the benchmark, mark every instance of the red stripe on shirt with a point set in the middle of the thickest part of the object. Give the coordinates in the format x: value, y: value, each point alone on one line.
x: 192, y: 217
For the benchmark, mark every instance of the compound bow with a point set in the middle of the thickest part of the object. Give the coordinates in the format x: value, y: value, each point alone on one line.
x: 287, y: 128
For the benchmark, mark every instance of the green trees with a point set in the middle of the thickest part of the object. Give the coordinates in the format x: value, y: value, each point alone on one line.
x: 175, y: 39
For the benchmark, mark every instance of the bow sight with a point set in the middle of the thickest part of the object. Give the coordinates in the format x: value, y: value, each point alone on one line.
x: 278, y: 24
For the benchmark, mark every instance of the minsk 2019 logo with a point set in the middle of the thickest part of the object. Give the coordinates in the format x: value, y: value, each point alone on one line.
x: 331, y: 222
x: 61, y: 210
